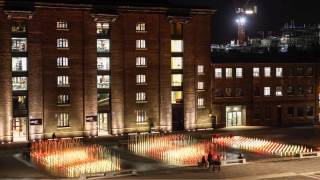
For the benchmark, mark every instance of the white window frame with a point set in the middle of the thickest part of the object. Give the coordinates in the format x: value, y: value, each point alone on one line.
x: 200, y: 86
x: 176, y: 46
x: 141, y: 44
x: 103, y: 63
x: 62, y: 25
x: 200, y: 69
x: 279, y: 72
x: 103, y: 45
x: 63, y: 81
x: 141, y: 116
x: 19, y: 64
x: 62, y: 43
x: 20, y: 83
x: 201, y: 102
x: 176, y: 80
x: 103, y: 81
x: 229, y: 73
x: 267, y: 72
x: 141, y: 97
x: 256, y: 72
x: 141, y: 27
x: 218, y: 73
x: 62, y: 120
x: 176, y: 63
x: 102, y: 27
x: 63, y: 99
x: 239, y: 72
x: 279, y: 91
x: 62, y: 62
x: 141, y: 79
x: 141, y: 61
x: 267, y: 91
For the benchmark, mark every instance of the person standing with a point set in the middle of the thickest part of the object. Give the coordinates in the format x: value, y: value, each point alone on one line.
x: 210, y: 161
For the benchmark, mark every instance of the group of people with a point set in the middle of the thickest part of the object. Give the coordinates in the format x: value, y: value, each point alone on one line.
x: 211, y: 163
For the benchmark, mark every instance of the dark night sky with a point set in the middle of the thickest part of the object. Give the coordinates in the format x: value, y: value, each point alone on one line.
x: 272, y: 15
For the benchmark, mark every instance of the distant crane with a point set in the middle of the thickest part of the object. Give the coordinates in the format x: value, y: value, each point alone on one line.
x: 248, y: 9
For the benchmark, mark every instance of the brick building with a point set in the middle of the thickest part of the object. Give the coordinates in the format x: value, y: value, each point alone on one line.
x: 272, y: 91
x: 95, y: 69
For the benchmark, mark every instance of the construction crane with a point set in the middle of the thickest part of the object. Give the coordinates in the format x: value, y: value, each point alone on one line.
x: 248, y: 9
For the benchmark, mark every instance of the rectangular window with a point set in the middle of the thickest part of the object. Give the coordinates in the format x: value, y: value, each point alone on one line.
x: 201, y: 103
x: 141, y: 27
x: 200, y: 69
x: 176, y: 80
x: 19, y: 64
x: 176, y: 30
x: 141, y: 79
x: 141, y: 116
x: 141, y: 96
x: 103, y: 63
x: 291, y: 111
x: 62, y: 43
x: 103, y: 28
x: 102, y: 121
x: 141, y: 44
x: 19, y: 44
x: 256, y: 72
x: 62, y: 62
x: 256, y: 91
x: 299, y: 90
x: 18, y: 27
x: 141, y: 62
x: 218, y: 72
x: 278, y: 91
x: 299, y: 71
x: 267, y: 91
x: 103, y: 45
x: 19, y: 102
x: 239, y: 92
x: 19, y: 83
x: 300, y: 111
x: 62, y: 25
x: 200, y: 85
x: 228, y: 92
x: 176, y: 46
x: 267, y: 72
x: 290, y: 91
x: 279, y: 72
x: 218, y: 92
x: 176, y: 97
x: 62, y: 119
x: 176, y: 63
x: 239, y: 72
x: 228, y: 72
x: 63, y: 81
x: 103, y: 99
x: 309, y: 111
x: 103, y: 82
x: 63, y: 99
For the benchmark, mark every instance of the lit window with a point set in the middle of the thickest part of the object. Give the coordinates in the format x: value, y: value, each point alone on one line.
x: 200, y: 69
x: 176, y: 80
x: 239, y: 73
x: 141, y: 27
x: 176, y: 97
x: 103, y: 82
x: 62, y: 43
x: 279, y: 72
x: 103, y: 99
x: 62, y: 62
x: 218, y: 72
x: 267, y: 72
x: 19, y: 64
x: 63, y: 99
x: 141, y: 96
x: 200, y: 85
x: 141, y: 62
x: 141, y: 44
x: 103, y: 63
x: 103, y: 121
x: 141, y: 116
x: 200, y: 102
x: 103, y: 28
x: 20, y: 102
x: 278, y: 91
x: 176, y: 46
x: 18, y: 27
x: 176, y: 63
x: 103, y: 45
x: 19, y: 44
x: 228, y: 72
x: 256, y: 72
x: 62, y: 25
x: 141, y: 79
x: 267, y: 91
x: 19, y: 83
x: 63, y: 119
x: 63, y: 81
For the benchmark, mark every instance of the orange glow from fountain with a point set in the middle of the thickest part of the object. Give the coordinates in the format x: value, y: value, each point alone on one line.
x: 261, y: 146
x: 71, y: 158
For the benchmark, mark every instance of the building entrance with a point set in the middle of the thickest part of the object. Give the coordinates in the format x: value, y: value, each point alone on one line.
x: 234, y: 116
x: 19, y: 129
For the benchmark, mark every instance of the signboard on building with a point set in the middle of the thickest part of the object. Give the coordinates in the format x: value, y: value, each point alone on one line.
x: 35, y: 122
x: 91, y: 118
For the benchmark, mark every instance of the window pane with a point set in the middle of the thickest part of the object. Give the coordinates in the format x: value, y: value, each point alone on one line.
x: 228, y: 72
x: 176, y: 79
x: 103, y: 28
x: 239, y: 72
x: 19, y: 44
x: 279, y: 72
x: 176, y: 46
x: 267, y: 91
x: 103, y: 82
x: 176, y: 97
x: 103, y: 45
x: 176, y: 63
x: 19, y: 64
x: 19, y: 83
x: 103, y: 99
x: 103, y: 63
x: 141, y: 62
x: 267, y: 72
x: 218, y: 73
x: 141, y: 26
x: 256, y: 72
